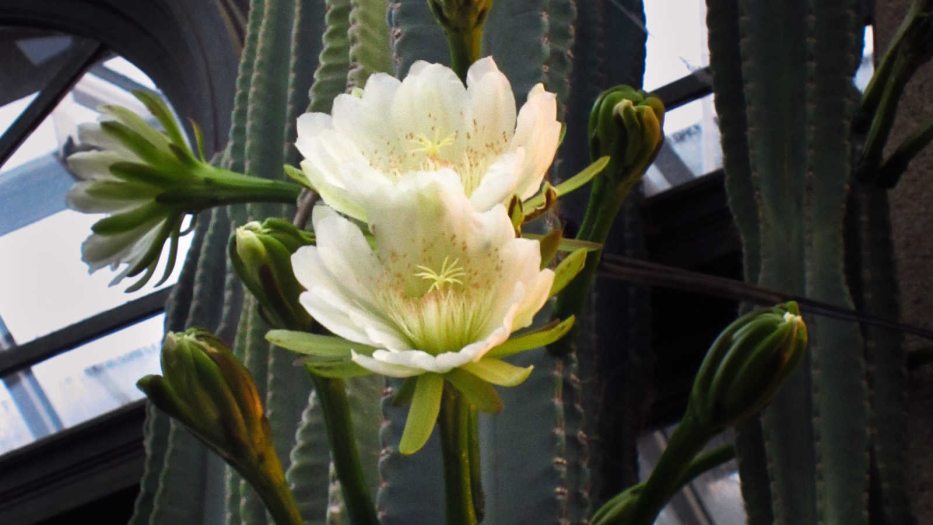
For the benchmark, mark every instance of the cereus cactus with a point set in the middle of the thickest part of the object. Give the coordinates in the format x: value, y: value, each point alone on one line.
x: 791, y: 125
x: 410, y: 264
x: 353, y: 42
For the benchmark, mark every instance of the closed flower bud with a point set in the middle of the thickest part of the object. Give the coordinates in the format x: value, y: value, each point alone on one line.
x: 747, y: 364
x: 206, y: 388
x: 626, y: 124
x: 261, y: 255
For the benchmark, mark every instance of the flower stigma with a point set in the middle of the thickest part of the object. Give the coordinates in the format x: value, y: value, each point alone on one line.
x: 451, y: 273
x: 432, y: 147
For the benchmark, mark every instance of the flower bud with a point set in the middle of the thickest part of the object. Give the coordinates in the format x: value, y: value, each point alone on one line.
x: 206, y: 388
x: 261, y: 255
x: 626, y: 124
x: 747, y: 364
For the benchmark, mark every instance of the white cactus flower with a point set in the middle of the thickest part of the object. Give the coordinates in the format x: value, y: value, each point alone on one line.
x: 437, y: 286
x: 430, y: 122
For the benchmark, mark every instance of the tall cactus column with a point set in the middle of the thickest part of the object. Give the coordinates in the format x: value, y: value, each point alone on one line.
x: 781, y: 74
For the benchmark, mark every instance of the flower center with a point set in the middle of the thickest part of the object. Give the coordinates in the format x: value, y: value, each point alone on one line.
x: 451, y: 273
x: 431, y: 147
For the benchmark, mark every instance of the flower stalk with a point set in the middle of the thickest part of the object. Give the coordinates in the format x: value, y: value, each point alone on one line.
x: 261, y: 255
x: 740, y: 374
x: 457, y: 440
x: 463, y: 22
x: 332, y: 394
x: 627, y: 126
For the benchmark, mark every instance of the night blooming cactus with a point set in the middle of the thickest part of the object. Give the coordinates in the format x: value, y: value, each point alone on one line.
x: 415, y: 268
x: 430, y: 122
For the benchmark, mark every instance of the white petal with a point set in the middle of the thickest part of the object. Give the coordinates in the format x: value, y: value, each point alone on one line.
x: 309, y: 126
x: 538, y: 132
x: 363, y: 119
x: 430, y: 102
x: 493, y: 104
x: 91, y: 134
x: 80, y: 198
x: 499, y: 182
x: 381, y: 367
x: 91, y: 165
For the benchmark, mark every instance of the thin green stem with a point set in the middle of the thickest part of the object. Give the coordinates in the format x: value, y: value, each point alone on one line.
x: 878, y: 83
x: 615, y: 509
x: 666, y: 478
x: 456, y: 446
x: 332, y: 394
x: 220, y: 187
x: 465, y: 48
x: 278, y: 498
x: 479, y: 498
x: 605, y: 203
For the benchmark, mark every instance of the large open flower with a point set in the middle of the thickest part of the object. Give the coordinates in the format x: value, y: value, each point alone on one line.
x: 439, y: 287
x: 430, y: 122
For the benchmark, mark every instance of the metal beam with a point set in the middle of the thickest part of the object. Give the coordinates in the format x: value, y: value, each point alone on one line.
x: 685, y: 90
x: 82, y: 55
x: 67, y: 338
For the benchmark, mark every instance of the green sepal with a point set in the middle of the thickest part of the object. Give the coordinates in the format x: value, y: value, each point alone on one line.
x: 145, y: 150
x: 152, y: 177
x: 572, y: 184
x: 498, y: 372
x: 477, y: 392
x: 334, y: 369
x: 549, y: 245
x: 568, y: 245
x: 298, y: 176
x: 150, y: 259
x: 425, y: 407
x: 198, y: 141
x: 137, y: 125
x: 567, y: 270
x: 316, y: 345
x: 516, y: 214
x: 127, y: 220
x: 537, y: 338
x: 162, y: 113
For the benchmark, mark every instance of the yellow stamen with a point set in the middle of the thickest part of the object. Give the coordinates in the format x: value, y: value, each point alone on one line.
x: 449, y: 274
x: 432, y: 147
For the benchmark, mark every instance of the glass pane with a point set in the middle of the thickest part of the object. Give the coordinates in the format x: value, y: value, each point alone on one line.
x: 13, y: 430
x: 83, y: 383
x: 692, y: 147
x: 676, y: 45
x: 101, y: 375
x: 46, y: 286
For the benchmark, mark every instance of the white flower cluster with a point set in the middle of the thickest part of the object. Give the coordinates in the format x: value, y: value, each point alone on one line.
x: 417, y: 259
